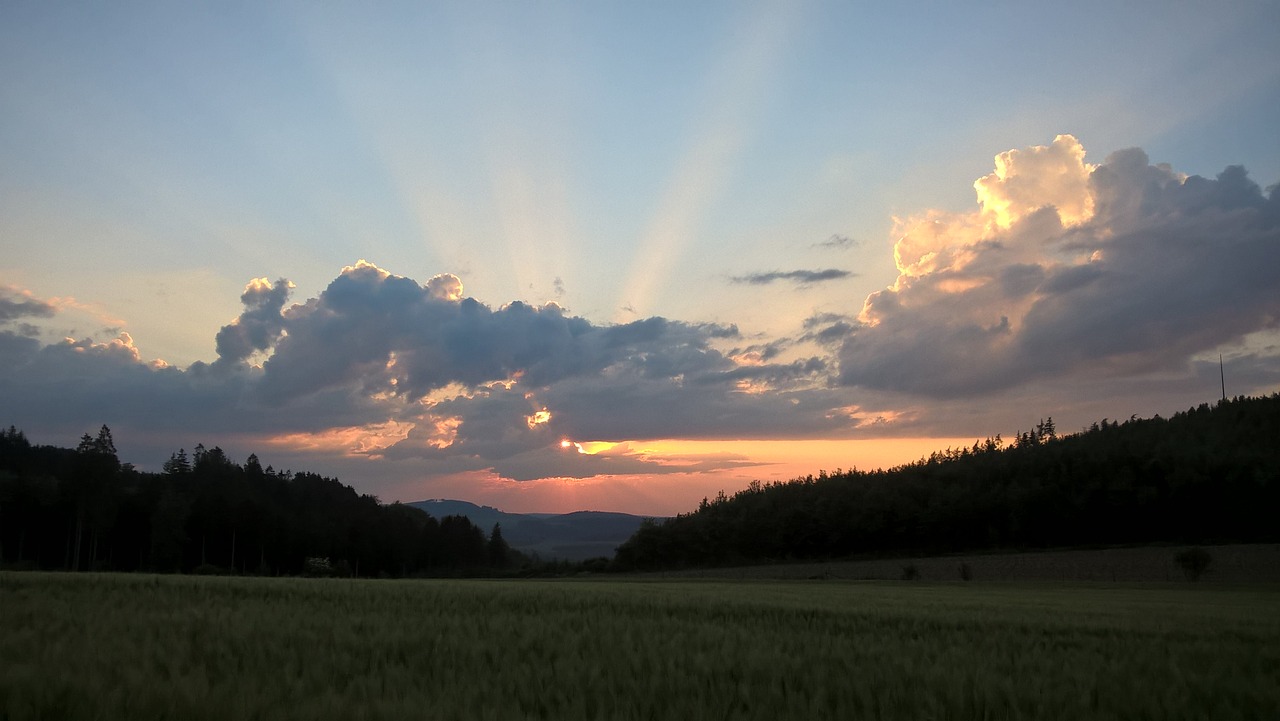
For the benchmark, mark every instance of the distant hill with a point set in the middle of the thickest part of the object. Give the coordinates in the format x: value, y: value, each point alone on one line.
x: 568, y: 536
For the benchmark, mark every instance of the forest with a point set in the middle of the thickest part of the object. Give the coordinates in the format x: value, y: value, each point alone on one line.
x: 1206, y: 475
x: 83, y: 509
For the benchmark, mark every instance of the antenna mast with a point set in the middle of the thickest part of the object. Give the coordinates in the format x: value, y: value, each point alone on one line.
x: 1222, y: 374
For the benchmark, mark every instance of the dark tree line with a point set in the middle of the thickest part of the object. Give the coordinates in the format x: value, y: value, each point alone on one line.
x: 1210, y: 474
x: 82, y: 509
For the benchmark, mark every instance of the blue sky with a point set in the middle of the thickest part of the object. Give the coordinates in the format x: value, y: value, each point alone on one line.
x: 625, y: 162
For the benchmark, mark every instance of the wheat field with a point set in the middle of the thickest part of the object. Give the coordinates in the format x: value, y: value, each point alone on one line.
x: 83, y: 646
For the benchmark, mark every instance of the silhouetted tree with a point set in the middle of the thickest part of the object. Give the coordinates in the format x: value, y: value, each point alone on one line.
x: 178, y: 464
x: 80, y: 508
x: 499, y: 551
x: 1209, y: 474
x: 92, y: 488
x: 1193, y: 562
x: 168, y: 530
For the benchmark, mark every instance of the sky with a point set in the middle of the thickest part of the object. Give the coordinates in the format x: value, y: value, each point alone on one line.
x: 622, y: 256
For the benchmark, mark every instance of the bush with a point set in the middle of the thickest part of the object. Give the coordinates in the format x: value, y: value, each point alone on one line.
x: 910, y: 572
x: 316, y: 566
x: 26, y: 565
x: 594, y: 565
x: 1193, y: 561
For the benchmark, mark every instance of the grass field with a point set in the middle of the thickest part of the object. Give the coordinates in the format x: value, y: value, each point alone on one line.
x: 149, y: 647
x: 1237, y: 564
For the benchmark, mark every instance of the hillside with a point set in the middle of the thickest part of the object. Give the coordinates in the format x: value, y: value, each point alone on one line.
x: 85, y: 509
x: 573, y: 536
x: 1207, y: 475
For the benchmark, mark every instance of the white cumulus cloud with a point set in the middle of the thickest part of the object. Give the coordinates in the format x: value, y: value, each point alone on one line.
x: 1069, y: 268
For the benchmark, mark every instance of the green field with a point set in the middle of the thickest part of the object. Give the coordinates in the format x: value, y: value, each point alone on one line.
x: 152, y: 647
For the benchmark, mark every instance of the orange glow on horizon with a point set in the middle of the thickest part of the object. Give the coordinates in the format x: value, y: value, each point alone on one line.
x: 802, y: 457
x: 675, y: 490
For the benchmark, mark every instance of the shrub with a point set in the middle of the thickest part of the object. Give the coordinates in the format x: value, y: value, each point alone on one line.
x: 1193, y: 561
x: 316, y: 566
x: 595, y: 565
x: 910, y: 572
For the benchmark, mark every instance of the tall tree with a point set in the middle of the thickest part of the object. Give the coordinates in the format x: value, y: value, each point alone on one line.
x: 178, y: 463
x: 499, y: 551
x: 93, y: 491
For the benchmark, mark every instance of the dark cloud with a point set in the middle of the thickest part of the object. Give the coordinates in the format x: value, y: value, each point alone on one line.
x: 494, y: 428
x: 760, y: 352
x: 726, y: 406
x: 719, y: 330
x: 817, y: 320
x: 259, y: 326
x: 15, y: 304
x: 1163, y: 268
x: 15, y: 350
x: 837, y: 241
x: 801, y: 277
x: 381, y: 365
x: 827, y: 329
x: 390, y: 335
x: 831, y: 335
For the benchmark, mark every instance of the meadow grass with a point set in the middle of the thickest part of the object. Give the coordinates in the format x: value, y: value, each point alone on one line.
x: 170, y: 647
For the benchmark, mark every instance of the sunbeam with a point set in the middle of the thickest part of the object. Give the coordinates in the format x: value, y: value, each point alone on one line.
x: 722, y: 125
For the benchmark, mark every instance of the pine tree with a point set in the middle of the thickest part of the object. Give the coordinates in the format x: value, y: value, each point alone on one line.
x: 178, y: 463
x: 104, y: 443
x: 499, y: 551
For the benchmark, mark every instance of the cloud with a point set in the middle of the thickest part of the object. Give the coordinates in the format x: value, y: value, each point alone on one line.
x: 801, y: 277
x: 16, y: 303
x: 15, y: 348
x: 1051, y: 294
x: 381, y: 366
x: 1070, y: 269
x: 387, y: 335
x: 1025, y: 181
x: 390, y: 335
x: 837, y: 241
x: 827, y: 329
x: 445, y: 286
x: 624, y: 459
x: 259, y: 326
